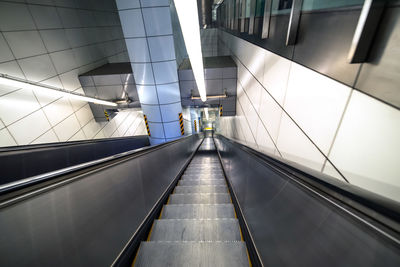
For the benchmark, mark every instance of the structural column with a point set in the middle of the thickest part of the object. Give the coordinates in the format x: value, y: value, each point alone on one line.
x: 149, y: 39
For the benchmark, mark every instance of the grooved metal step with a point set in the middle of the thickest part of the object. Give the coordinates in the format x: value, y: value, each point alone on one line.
x: 195, y: 230
x: 202, y: 182
x: 198, y: 211
x: 200, y: 198
x: 202, y: 176
x: 205, y: 171
x: 221, y: 254
x: 187, y: 189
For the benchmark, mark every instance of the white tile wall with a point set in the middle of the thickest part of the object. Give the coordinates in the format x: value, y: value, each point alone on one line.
x: 52, y: 42
x: 291, y: 111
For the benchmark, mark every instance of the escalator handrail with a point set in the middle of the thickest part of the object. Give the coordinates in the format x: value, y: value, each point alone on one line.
x: 381, y: 210
x: 23, y: 183
x: 12, y: 149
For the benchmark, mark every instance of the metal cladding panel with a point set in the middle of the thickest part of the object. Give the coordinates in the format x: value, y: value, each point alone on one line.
x: 292, y: 226
x: 110, y: 91
x: 168, y: 93
x: 170, y: 112
x: 89, y: 221
x: 213, y: 73
x: 27, y: 161
x: 186, y: 75
x: 152, y: 112
x: 319, y: 48
x: 156, y: 130
x: 113, y: 79
x: 380, y: 77
x: 276, y: 41
x: 172, y: 129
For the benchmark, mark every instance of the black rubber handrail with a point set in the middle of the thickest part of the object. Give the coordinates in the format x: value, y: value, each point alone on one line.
x: 69, y: 143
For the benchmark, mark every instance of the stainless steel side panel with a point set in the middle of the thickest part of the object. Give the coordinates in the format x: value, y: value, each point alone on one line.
x: 292, y: 226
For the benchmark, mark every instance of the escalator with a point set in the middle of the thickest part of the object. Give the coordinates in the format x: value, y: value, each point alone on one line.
x: 198, y: 225
x: 195, y: 202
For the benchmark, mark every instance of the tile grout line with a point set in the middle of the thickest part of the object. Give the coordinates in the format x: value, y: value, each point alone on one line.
x: 337, y: 129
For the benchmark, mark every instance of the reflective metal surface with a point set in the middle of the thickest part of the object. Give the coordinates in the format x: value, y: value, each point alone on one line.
x: 380, y: 76
x: 198, y: 226
x: 88, y: 222
x: 294, y: 22
x: 293, y: 226
x: 221, y: 254
x: 26, y: 161
x: 366, y: 27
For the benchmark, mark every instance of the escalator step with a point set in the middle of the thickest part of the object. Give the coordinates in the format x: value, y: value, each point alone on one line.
x: 195, y: 230
x: 198, y: 211
x: 219, y: 254
x: 202, y: 176
x: 185, y: 189
x: 200, y: 198
x: 202, y: 182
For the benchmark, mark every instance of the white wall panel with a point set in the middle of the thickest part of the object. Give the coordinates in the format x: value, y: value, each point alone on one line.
x: 316, y: 103
x: 171, y: 112
x: 29, y: 128
x: 157, y: 130
x: 132, y: 23
x: 168, y: 93
x: 143, y: 73
x: 147, y: 94
x: 162, y: 48
x: 24, y: 99
x: 152, y: 112
x: 54, y: 49
x: 367, y: 145
x: 165, y: 72
x: 58, y: 111
x: 47, y: 137
x: 127, y: 4
x: 6, y: 139
x: 67, y: 128
x: 295, y: 146
x: 157, y: 21
x: 276, y: 72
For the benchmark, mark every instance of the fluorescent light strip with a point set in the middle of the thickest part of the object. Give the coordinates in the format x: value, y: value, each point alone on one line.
x: 210, y: 97
x: 189, y: 21
x: 206, y: 113
x: 51, y: 91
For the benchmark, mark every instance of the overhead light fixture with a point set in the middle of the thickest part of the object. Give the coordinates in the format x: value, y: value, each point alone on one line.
x: 189, y: 21
x: 48, y: 90
x: 209, y: 96
x: 206, y: 113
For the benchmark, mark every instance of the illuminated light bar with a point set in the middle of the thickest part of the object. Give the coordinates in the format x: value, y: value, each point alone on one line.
x: 206, y: 113
x: 209, y: 96
x: 189, y: 21
x: 51, y: 91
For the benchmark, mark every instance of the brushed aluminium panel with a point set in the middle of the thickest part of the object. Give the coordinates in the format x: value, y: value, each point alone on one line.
x: 295, y: 227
